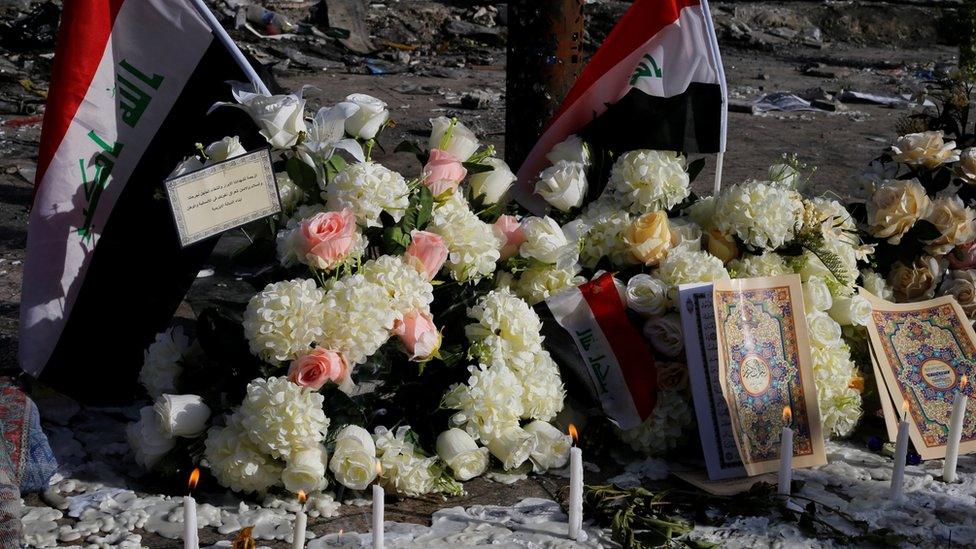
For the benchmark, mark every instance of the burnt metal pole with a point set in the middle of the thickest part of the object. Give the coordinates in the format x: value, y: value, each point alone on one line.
x: 545, y: 55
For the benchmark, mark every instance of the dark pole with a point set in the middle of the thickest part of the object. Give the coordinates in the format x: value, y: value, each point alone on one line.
x: 545, y: 55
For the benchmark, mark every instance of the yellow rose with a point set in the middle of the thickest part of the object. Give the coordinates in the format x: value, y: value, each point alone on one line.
x: 895, y: 207
x: 917, y: 281
x: 966, y: 167
x: 924, y: 149
x: 649, y: 238
x: 955, y: 221
x: 722, y: 246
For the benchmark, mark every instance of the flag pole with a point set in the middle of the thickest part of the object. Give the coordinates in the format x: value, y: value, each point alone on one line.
x: 228, y: 43
x: 713, y: 46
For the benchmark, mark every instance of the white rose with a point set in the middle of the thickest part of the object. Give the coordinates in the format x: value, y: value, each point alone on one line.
x: 281, y: 118
x: 573, y: 149
x: 162, y: 364
x: 370, y: 117
x: 816, y: 294
x: 512, y: 447
x: 824, y: 331
x: 461, y: 453
x: 306, y: 470
x: 563, y: 185
x: 148, y: 441
x: 927, y: 149
x: 544, y: 240
x: 494, y: 184
x: 664, y: 333
x: 225, y: 149
x: 353, y: 460
x: 290, y: 195
x: 182, y: 415
x: 462, y: 142
x: 646, y: 295
x: 551, y: 446
x: 851, y: 311
x: 685, y: 233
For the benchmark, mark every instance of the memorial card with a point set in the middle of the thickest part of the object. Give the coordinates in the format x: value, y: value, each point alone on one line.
x: 701, y: 349
x: 925, y: 352
x: 766, y: 372
x: 223, y: 196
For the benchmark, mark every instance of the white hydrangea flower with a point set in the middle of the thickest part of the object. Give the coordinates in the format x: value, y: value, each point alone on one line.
x: 543, y: 393
x: 766, y: 264
x: 535, y: 284
x: 490, y: 402
x: 702, y: 213
x: 840, y: 404
x: 236, y: 462
x: 280, y: 417
x: 161, y: 365
x: 283, y: 320
x: 472, y: 243
x: 664, y: 428
x: 762, y: 214
x: 507, y: 330
x: 683, y: 266
x: 368, y: 189
x: 403, y: 469
x: 649, y: 180
x: 406, y: 288
x: 600, y: 229
x: 358, y: 317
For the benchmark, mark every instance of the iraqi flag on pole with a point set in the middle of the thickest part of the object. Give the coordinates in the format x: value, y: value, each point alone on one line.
x: 656, y: 82
x: 131, y: 85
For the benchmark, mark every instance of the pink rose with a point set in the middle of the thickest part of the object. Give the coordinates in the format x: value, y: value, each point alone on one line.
x: 508, y: 229
x: 328, y: 237
x: 963, y: 256
x: 427, y: 252
x: 443, y: 172
x: 317, y: 368
x: 418, y: 334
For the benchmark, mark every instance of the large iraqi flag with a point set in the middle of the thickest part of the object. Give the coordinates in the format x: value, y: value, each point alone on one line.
x: 131, y: 85
x: 656, y: 82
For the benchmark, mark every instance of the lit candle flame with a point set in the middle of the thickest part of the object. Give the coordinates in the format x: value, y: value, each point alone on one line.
x: 573, y: 433
x: 904, y: 409
x: 963, y: 381
x: 787, y: 415
x: 194, y: 478
x: 379, y: 469
x: 301, y: 496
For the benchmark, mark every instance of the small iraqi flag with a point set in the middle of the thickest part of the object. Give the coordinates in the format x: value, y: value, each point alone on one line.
x: 656, y: 82
x: 131, y: 85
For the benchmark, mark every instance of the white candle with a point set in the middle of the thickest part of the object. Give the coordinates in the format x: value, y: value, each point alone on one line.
x: 786, y: 454
x: 959, y: 404
x: 190, y: 536
x: 378, y: 501
x: 901, y: 454
x: 191, y: 539
x: 575, y: 488
x: 301, y: 521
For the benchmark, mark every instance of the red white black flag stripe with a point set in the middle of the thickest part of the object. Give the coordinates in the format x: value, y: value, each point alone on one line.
x: 132, y: 83
x: 655, y: 83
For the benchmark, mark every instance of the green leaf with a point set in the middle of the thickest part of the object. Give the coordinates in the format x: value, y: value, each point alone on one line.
x: 302, y: 175
x: 395, y: 241
x: 695, y: 168
x: 425, y: 207
x: 475, y: 168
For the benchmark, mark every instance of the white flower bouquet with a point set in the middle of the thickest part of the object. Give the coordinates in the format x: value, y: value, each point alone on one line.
x: 390, y: 300
x: 378, y: 306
